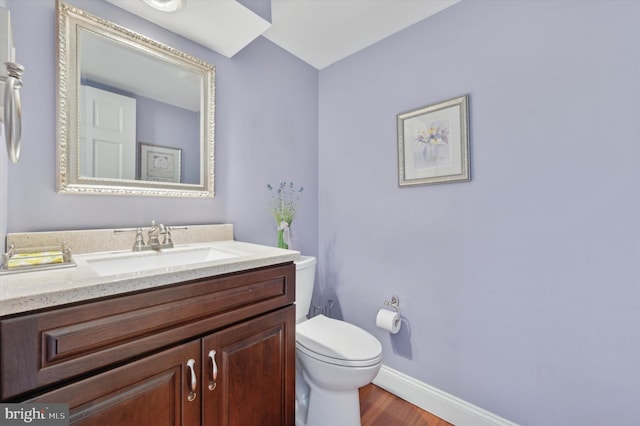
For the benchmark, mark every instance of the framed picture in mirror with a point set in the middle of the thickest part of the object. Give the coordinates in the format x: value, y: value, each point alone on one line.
x: 159, y: 163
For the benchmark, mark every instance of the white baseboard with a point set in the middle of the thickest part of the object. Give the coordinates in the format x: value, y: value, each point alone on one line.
x: 448, y: 407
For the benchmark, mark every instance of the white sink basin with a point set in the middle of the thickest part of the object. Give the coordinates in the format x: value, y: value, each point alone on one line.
x: 128, y: 262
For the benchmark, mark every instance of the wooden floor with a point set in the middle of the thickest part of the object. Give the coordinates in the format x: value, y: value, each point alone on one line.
x: 381, y: 408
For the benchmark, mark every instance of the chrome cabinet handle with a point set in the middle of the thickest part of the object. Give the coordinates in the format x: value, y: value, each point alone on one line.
x: 13, y: 110
x: 194, y: 383
x: 214, y: 370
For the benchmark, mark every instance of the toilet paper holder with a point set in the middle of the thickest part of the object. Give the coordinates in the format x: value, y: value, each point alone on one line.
x: 395, y: 303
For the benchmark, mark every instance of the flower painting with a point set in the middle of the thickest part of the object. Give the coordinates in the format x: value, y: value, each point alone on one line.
x: 433, y: 143
x: 431, y: 148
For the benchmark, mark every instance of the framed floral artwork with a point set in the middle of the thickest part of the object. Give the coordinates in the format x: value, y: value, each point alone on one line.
x: 160, y: 163
x: 433, y: 143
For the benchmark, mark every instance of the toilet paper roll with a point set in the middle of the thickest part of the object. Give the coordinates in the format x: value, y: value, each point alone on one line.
x: 388, y: 320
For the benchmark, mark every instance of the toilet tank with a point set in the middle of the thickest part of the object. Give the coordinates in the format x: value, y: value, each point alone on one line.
x: 305, y: 278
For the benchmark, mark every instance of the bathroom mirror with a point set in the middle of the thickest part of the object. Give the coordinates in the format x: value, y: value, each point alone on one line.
x: 135, y: 117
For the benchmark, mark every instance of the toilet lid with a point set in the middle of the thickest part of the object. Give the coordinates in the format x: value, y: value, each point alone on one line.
x: 338, y: 342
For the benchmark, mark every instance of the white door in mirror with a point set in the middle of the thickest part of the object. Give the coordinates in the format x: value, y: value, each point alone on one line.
x: 107, y: 134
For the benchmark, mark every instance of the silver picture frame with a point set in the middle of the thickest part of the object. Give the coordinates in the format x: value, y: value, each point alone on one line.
x: 433, y: 143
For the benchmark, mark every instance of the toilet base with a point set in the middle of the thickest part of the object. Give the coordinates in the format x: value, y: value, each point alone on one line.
x: 333, y: 407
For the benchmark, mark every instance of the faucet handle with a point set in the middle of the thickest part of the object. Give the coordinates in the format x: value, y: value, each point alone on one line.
x: 169, y: 241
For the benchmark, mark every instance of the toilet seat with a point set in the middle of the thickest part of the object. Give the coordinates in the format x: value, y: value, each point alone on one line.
x: 337, y: 342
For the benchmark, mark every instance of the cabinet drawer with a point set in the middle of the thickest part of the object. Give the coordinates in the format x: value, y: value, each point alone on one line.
x: 49, y: 347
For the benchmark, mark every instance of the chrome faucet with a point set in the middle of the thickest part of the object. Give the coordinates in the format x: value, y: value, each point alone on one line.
x: 154, y: 232
x: 159, y: 237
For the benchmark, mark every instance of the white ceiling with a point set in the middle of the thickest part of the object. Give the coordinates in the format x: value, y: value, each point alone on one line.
x: 320, y: 32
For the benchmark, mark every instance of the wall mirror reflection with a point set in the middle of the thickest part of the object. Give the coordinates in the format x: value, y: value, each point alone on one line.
x: 135, y: 117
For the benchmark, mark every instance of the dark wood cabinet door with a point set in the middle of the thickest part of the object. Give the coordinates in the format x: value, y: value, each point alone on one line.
x: 255, y: 380
x: 151, y: 391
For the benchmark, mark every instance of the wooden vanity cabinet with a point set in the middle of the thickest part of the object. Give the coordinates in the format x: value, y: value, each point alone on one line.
x: 232, y: 365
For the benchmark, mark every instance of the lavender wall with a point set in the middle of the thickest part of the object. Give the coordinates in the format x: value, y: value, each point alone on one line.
x: 167, y: 125
x: 519, y: 290
x: 266, y: 130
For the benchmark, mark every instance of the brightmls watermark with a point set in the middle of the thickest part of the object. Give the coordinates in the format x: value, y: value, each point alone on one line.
x: 34, y: 414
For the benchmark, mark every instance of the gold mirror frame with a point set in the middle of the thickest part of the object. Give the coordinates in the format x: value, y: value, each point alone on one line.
x: 70, y: 21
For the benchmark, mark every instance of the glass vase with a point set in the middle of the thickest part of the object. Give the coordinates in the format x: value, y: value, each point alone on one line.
x: 281, y: 243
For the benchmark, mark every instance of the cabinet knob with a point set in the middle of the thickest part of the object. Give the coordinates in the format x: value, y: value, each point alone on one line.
x: 193, y: 382
x: 214, y: 370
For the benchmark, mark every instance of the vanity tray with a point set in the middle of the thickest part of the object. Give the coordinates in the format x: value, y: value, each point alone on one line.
x: 36, y: 259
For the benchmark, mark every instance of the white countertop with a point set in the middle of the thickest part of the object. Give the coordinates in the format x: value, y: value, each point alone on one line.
x: 27, y: 291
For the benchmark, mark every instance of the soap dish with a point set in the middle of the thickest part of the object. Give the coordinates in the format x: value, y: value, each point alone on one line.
x: 36, y: 259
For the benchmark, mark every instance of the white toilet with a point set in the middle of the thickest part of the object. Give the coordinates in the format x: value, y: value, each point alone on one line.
x: 334, y: 359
